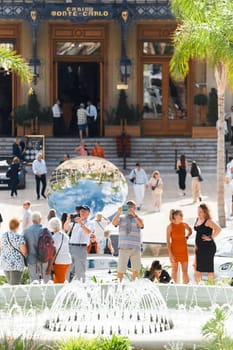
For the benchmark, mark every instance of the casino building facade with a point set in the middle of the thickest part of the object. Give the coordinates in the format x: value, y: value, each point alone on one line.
x: 93, y: 50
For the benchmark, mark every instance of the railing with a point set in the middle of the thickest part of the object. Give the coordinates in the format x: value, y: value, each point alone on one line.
x: 176, y: 155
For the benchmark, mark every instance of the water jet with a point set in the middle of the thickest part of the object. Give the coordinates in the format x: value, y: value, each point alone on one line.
x: 151, y: 315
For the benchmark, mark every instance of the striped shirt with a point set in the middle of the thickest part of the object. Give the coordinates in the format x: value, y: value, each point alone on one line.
x: 129, y: 233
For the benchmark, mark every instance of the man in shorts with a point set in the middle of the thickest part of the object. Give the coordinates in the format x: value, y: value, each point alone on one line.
x: 82, y: 120
x: 130, y: 225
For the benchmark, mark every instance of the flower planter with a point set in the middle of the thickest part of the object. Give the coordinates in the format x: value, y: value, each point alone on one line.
x: 24, y: 130
x: 43, y: 129
x: 205, y: 132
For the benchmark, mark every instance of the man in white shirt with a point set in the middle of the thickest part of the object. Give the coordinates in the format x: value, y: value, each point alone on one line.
x: 139, y: 179
x: 57, y: 118
x: 40, y: 170
x: 91, y: 119
x: 226, y: 132
x: 230, y: 116
x: 79, y: 230
x: 229, y: 170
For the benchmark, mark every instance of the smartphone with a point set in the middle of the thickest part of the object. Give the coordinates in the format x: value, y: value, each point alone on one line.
x: 125, y: 208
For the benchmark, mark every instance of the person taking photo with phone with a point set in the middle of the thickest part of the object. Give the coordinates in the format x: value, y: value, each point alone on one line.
x: 130, y: 225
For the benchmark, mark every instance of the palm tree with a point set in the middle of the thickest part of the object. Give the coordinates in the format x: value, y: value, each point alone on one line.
x: 9, y: 59
x: 205, y: 32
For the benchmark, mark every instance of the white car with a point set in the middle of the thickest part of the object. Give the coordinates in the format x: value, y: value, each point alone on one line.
x: 101, y: 267
x: 5, y: 181
x: 223, y: 261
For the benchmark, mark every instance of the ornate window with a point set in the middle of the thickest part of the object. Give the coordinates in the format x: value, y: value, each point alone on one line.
x: 74, y: 48
x: 157, y: 47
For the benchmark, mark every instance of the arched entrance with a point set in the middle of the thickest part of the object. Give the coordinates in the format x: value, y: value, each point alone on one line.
x: 167, y: 104
x: 78, y: 82
x: 5, y: 102
x: 9, y: 94
x: 78, y: 70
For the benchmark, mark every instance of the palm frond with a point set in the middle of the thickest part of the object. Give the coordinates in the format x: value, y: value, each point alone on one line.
x: 204, y: 40
x: 16, y: 63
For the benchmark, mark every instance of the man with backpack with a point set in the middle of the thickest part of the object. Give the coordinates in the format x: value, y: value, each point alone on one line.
x: 79, y: 232
x: 40, y: 249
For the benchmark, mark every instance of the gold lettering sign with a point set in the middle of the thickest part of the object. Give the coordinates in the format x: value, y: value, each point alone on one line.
x: 125, y: 15
x: 80, y: 11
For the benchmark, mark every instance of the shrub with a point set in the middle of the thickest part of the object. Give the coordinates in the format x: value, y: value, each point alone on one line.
x: 99, y: 343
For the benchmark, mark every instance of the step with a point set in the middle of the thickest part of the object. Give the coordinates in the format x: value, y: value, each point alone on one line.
x: 152, y: 152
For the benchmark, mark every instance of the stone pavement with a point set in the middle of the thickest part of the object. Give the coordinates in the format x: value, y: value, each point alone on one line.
x: 155, y: 223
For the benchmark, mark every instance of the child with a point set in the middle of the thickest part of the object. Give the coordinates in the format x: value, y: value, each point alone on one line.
x: 228, y: 191
x: 156, y: 185
x: 156, y: 273
x: 93, y: 247
x: 177, y: 244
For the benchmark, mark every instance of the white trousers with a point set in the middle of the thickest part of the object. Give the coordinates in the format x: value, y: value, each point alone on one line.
x: 228, y: 205
x: 196, y: 188
x: 139, y: 191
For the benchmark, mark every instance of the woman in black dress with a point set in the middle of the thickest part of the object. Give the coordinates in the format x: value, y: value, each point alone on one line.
x: 205, y: 247
x: 12, y: 173
x: 181, y: 169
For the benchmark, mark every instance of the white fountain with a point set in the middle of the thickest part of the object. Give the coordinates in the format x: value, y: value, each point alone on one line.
x: 151, y: 315
x: 129, y: 309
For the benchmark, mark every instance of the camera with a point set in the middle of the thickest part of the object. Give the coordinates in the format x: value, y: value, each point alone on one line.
x: 125, y: 208
x: 74, y: 216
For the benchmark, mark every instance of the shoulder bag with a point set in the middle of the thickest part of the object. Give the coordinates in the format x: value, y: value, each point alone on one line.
x: 24, y: 257
x: 156, y: 188
x: 133, y: 179
x: 71, y: 229
x: 62, y: 238
x: 200, y: 178
x: 100, y: 225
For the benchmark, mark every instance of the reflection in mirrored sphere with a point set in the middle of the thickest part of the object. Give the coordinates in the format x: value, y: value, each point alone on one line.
x: 90, y: 181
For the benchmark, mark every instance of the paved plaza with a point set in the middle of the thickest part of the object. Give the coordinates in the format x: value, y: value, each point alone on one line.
x: 155, y: 223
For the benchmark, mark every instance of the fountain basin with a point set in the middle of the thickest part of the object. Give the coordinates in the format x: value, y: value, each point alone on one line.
x: 189, y: 307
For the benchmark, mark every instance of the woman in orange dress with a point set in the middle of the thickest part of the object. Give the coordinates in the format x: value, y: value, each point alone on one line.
x: 177, y: 234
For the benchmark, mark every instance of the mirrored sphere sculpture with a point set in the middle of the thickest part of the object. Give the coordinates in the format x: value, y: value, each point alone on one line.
x: 91, y: 181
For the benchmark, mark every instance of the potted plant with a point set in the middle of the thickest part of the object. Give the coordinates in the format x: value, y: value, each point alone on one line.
x: 212, y: 115
x: 123, y: 117
x: 201, y: 100
x: 45, y: 121
x: 31, y: 119
x: 22, y: 119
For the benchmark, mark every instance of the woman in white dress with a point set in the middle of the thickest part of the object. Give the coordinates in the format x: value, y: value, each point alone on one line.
x: 156, y: 185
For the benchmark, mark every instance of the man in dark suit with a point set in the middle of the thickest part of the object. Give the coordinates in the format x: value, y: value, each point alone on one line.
x: 16, y: 150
